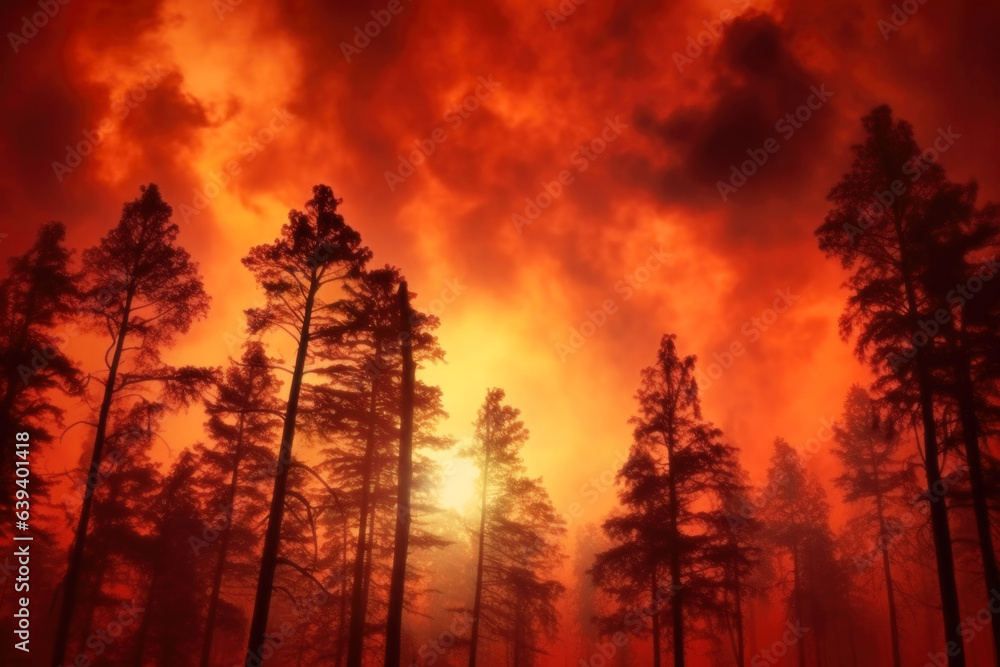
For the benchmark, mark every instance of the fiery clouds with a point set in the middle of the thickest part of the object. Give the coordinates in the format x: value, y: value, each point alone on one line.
x: 486, y: 153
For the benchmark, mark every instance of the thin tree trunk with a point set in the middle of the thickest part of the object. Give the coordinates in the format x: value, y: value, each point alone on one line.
x: 884, y: 545
x: 369, y: 561
x: 676, y: 586
x: 944, y: 557
x: 342, y: 620
x: 394, y: 621
x: 477, y: 603
x: 359, y: 598
x: 970, y: 436
x: 269, y: 557
x: 939, y: 524
x: 79, y: 541
x: 220, y: 565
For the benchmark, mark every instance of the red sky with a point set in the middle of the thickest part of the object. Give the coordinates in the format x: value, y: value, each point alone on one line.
x: 223, y: 75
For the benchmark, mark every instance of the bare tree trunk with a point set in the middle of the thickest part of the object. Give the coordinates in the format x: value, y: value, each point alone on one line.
x: 342, y: 620
x: 939, y: 525
x: 369, y: 560
x: 970, y: 436
x: 676, y: 587
x: 220, y: 565
x: 945, y: 559
x: 269, y: 557
x: 394, y: 620
x: 477, y: 603
x: 356, y: 634
x: 891, y: 593
x: 76, y: 554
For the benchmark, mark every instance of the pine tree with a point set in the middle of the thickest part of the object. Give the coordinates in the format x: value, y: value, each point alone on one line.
x: 359, y: 404
x: 678, y: 467
x: 142, y: 290
x: 868, y: 446
x: 516, y: 544
x: 243, y: 417
x: 796, y: 516
x: 39, y: 293
x: 883, y: 246
x: 301, y: 274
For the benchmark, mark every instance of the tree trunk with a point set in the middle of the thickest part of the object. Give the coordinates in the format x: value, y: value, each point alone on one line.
x: 394, y: 621
x: 269, y: 557
x: 356, y: 634
x: 932, y: 467
x: 477, y: 603
x: 342, y: 619
x: 676, y: 587
x: 970, y: 436
x: 884, y: 546
x: 220, y: 565
x: 939, y: 525
x: 79, y: 541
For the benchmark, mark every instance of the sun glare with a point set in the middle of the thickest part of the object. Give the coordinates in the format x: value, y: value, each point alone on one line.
x: 458, y: 482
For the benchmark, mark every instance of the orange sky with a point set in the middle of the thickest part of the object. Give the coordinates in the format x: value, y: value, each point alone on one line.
x: 201, y: 79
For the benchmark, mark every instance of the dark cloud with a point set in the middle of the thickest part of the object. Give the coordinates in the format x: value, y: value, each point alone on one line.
x: 758, y: 81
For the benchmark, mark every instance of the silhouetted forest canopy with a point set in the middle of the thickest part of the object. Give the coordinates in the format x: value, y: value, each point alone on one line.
x: 298, y: 512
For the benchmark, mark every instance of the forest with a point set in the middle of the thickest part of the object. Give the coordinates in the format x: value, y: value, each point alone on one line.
x: 299, y: 518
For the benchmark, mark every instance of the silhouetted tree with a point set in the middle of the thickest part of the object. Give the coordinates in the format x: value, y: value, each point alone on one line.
x: 632, y: 570
x: 301, y: 273
x: 738, y: 554
x: 119, y: 550
x: 516, y: 541
x: 356, y: 413
x: 796, y: 516
x: 243, y: 417
x: 173, y: 604
x: 38, y: 293
x: 868, y: 446
x: 882, y: 244
x: 679, y: 466
x: 404, y: 481
x: 957, y: 259
x: 142, y: 290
